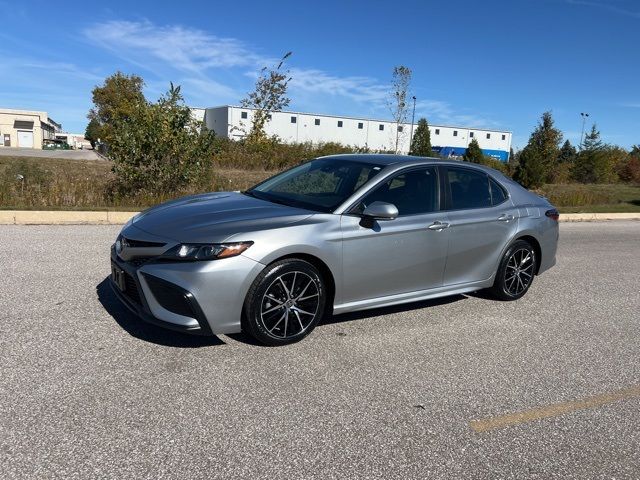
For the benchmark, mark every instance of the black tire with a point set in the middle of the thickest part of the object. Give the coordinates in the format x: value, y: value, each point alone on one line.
x: 285, y: 302
x: 515, y: 272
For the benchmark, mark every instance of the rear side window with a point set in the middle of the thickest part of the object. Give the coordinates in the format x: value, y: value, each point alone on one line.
x: 469, y: 189
x: 498, y: 195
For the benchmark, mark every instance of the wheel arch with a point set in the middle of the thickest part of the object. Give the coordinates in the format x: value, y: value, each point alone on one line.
x: 323, y: 268
x: 533, y: 241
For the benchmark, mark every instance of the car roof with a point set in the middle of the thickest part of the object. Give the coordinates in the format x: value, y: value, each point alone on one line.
x: 388, y: 159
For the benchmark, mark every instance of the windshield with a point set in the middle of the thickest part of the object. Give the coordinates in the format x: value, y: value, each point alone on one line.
x: 321, y: 185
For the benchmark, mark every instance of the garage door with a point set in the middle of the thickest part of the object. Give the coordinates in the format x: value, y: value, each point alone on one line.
x: 25, y: 139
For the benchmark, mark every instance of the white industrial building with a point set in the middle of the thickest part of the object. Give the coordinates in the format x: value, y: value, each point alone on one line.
x: 378, y: 135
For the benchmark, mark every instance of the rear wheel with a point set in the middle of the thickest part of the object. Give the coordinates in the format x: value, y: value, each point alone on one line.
x: 516, y: 271
x: 285, y: 303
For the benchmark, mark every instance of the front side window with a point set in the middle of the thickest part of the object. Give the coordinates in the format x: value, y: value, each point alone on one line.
x: 469, y: 188
x: 294, y: 119
x: 360, y: 125
x: 412, y: 192
x: 321, y: 185
x: 317, y: 121
x: 381, y: 127
x: 243, y: 115
x: 340, y: 123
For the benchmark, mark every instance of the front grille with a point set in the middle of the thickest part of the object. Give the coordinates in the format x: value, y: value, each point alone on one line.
x: 131, y: 288
x: 170, y: 297
x: 141, y: 243
x: 138, y: 262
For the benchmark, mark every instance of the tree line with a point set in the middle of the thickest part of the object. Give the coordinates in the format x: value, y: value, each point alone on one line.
x: 159, y: 146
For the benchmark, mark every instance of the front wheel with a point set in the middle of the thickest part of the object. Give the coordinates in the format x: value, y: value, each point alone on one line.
x: 516, y: 271
x: 284, y: 303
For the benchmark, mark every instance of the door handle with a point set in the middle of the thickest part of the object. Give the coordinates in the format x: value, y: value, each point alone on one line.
x: 437, y: 225
x: 505, y: 217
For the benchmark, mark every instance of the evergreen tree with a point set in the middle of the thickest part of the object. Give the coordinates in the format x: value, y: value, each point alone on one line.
x: 473, y: 153
x: 421, y: 143
x: 595, y: 163
x: 512, y: 155
x: 592, y: 140
x: 537, y: 159
x: 93, y: 131
x: 567, y: 153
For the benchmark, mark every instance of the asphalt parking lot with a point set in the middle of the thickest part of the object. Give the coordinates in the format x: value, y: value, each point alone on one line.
x: 465, y: 387
x: 85, y: 154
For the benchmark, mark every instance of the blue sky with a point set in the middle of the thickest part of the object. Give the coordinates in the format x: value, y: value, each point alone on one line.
x: 482, y: 64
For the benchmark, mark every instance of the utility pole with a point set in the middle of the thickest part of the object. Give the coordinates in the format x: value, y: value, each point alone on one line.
x: 413, y: 117
x: 584, y: 119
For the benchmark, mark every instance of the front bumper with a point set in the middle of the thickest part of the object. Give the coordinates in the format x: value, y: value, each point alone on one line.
x: 202, y: 298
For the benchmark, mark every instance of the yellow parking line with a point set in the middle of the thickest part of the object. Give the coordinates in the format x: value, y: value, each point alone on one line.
x: 491, y: 423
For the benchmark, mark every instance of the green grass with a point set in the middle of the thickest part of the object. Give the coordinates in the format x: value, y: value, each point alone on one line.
x: 61, y: 184
x: 593, y: 198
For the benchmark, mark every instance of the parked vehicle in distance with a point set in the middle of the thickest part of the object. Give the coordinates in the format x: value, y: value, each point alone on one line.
x: 333, y: 235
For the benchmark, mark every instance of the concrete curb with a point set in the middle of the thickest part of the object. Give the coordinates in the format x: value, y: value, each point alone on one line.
x: 34, y: 217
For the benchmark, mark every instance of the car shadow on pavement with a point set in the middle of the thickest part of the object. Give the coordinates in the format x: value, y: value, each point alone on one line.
x: 145, y: 331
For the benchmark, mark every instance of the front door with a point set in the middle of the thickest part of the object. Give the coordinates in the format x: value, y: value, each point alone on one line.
x: 396, y: 256
x: 7, y: 140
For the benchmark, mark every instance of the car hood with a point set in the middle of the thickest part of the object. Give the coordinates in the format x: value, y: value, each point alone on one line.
x: 214, y: 217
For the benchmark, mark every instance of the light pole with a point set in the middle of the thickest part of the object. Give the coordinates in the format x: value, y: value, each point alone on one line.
x: 584, y: 119
x: 413, y: 117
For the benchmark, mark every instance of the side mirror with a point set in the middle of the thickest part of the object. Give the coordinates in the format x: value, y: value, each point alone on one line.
x: 381, y: 211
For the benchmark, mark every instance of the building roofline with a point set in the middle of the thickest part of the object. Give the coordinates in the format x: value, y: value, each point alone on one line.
x: 326, y: 115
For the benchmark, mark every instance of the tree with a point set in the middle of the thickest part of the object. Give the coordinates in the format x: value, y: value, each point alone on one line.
x: 538, y: 157
x: 93, y: 131
x: 473, y: 153
x: 397, y: 102
x: 512, y: 156
x: 629, y: 171
x: 159, y: 148
x: 596, y: 162
x: 269, y: 95
x: 421, y: 143
x: 116, y: 100
x: 567, y: 153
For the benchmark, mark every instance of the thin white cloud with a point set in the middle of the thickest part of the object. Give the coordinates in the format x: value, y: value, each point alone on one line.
x: 194, y: 57
x: 607, y: 5
x: 184, y: 48
x: 438, y: 111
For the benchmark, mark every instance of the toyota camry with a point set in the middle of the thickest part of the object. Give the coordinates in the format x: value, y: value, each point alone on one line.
x: 333, y: 235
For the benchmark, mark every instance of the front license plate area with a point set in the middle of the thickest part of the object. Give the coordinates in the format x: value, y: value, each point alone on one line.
x: 117, y: 275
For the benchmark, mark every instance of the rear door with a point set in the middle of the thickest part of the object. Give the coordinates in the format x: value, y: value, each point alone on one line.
x: 482, y: 222
x: 397, y: 256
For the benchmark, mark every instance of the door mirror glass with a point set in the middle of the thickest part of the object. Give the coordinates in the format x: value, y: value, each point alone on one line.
x: 381, y: 211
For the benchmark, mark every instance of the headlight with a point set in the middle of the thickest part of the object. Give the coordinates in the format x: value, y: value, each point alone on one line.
x: 211, y: 251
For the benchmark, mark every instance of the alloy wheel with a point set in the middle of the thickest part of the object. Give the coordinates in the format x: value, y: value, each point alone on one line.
x: 290, y: 304
x: 519, y: 271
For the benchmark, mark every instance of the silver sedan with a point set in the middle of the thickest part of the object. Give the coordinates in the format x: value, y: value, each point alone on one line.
x: 332, y: 235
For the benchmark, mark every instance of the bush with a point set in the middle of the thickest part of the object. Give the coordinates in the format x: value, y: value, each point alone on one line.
x: 160, y: 149
x: 629, y: 171
x: 271, y: 154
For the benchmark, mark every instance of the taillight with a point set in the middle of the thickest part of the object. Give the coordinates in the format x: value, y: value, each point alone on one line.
x: 553, y: 214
